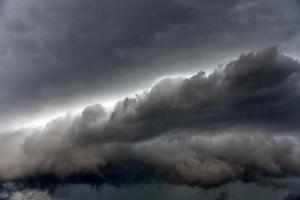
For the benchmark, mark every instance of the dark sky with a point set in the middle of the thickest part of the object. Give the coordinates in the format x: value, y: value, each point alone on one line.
x: 191, y: 92
x: 62, y: 55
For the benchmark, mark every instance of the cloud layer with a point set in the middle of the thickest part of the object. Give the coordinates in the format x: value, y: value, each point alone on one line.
x: 62, y: 53
x: 205, y: 130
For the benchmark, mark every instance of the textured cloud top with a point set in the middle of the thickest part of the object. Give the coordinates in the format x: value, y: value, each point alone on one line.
x: 205, y: 130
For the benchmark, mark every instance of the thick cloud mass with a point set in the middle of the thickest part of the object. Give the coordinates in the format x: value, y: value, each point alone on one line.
x: 205, y: 130
x: 55, y: 54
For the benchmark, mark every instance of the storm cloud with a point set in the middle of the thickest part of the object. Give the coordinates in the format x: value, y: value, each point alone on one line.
x: 56, y: 54
x: 205, y: 130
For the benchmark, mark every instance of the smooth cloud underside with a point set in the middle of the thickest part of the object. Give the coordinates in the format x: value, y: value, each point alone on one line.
x: 205, y: 130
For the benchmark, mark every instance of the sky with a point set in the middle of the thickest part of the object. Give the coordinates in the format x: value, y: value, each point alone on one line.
x: 59, y: 56
x: 197, y: 92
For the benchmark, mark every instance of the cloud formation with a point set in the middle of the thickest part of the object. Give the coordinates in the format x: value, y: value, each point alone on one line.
x: 56, y: 54
x: 205, y: 130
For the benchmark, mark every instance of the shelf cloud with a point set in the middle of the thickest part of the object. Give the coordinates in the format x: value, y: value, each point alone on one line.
x: 205, y: 130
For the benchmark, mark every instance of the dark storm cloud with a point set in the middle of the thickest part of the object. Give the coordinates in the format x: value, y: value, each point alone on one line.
x: 237, y: 122
x: 259, y: 89
x: 55, y: 53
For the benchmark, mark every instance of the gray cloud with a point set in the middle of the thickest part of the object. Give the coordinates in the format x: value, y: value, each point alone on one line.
x: 55, y: 54
x: 205, y: 130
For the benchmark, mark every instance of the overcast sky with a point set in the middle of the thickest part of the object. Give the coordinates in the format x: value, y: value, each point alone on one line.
x: 133, y: 73
x: 57, y: 55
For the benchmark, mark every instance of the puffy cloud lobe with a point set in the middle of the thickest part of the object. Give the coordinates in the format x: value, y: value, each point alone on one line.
x: 259, y: 89
x: 205, y: 130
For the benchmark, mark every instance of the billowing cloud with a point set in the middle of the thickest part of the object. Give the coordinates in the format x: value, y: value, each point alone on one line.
x: 237, y: 122
x: 55, y: 54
